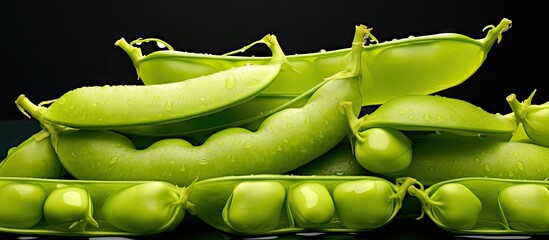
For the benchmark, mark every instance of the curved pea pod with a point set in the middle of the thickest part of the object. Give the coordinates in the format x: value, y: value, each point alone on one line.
x: 34, y: 157
x: 437, y: 160
x: 127, y: 106
x: 418, y: 65
x: 274, y: 204
x: 436, y: 114
x: 487, y: 206
x: 284, y: 141
x: 67, y: 207
x: 534, y: 118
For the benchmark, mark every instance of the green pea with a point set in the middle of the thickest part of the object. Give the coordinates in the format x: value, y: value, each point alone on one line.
x: 417, y: 65
x: 126, y: 106
x: 526, y: 207
x: 364, y: 204
x: 34, y: 157
x: 382, y: 150
x: 284, y: 141
x: 310, y: 204
x: 69, y: 207
x: 146, y: 207
x: 21, y: 205
x: 255, y: 207
x: 534, y: 118
x: 453, y: 205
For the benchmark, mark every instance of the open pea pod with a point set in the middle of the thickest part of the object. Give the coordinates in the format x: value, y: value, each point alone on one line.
x: 274, y: 204
x: 66, y: 207
x: 418, y: 65
x: 127, y: 106
x: 487, y: 206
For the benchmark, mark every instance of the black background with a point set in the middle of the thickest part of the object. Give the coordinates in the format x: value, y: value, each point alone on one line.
x: 50, y: 47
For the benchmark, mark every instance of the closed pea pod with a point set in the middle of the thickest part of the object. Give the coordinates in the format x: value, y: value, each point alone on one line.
x: 420, y: 65
x: 293, y: 203
x: 34, y: 157
x: 112, y: 107
x: 284, y: 141
x: 438, y: 159
x: 67, y: 207
x: 489, y: 206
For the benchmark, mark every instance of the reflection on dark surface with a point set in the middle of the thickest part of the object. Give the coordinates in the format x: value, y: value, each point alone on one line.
x: 398, y: 229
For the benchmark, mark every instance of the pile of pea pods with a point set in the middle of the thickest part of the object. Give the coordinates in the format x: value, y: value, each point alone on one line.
x: 282, y: 144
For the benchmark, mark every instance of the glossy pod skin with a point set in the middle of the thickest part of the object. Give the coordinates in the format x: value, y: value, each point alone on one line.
x: 34, y: 157
x: 293, y: 203
x: 67, y: 207
x: 126, y: 106
x: 439, y: 159
x: 413, y: 65
x: 284, y: 141
x: 487, y: 205
x: 436, y: 113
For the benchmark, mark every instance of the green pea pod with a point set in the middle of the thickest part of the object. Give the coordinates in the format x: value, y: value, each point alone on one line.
x: 112, y: 107
x: 275, y: 204
x: 284, y: 141
x: 437, y: 160
x: 534, y: 118
x: 34, y: 157
x: 435, y: 114
x: 413, y: 65
x: 67, y: 207
x: 487, y: 206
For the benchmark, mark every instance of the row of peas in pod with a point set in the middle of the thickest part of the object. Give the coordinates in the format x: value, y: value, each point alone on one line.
x: 242, y: 142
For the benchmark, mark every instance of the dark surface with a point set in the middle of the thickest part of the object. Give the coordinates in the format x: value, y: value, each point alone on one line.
x: 50, y: 47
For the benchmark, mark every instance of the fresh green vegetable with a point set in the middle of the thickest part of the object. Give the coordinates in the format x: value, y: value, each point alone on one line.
x: 383, y: 150
x: 112, y: 107
x: 285, y: 140
x: 435, y: 114
x: 487, y: 206
x: 267, y: 204
x: 21, y: 205
x: 254, y: 207
x: 145, y: 207
x: 413, y: 65
x: 34, y: 157
x: 526, y: 207
x: 68, y: 207
x: 339, y: 161
x: 534, y: 118
x: 437, y: 160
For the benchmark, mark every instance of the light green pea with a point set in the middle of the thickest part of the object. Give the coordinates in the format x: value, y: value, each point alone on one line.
x: 21, y: 205
x: 453, y: 205
x: 526, y: 207
x: 364, y: 204
x: 310, y: 204
x: 382, y: 150
x: 70, y: 208
x: 146, y: 207
x: 255, y: 207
